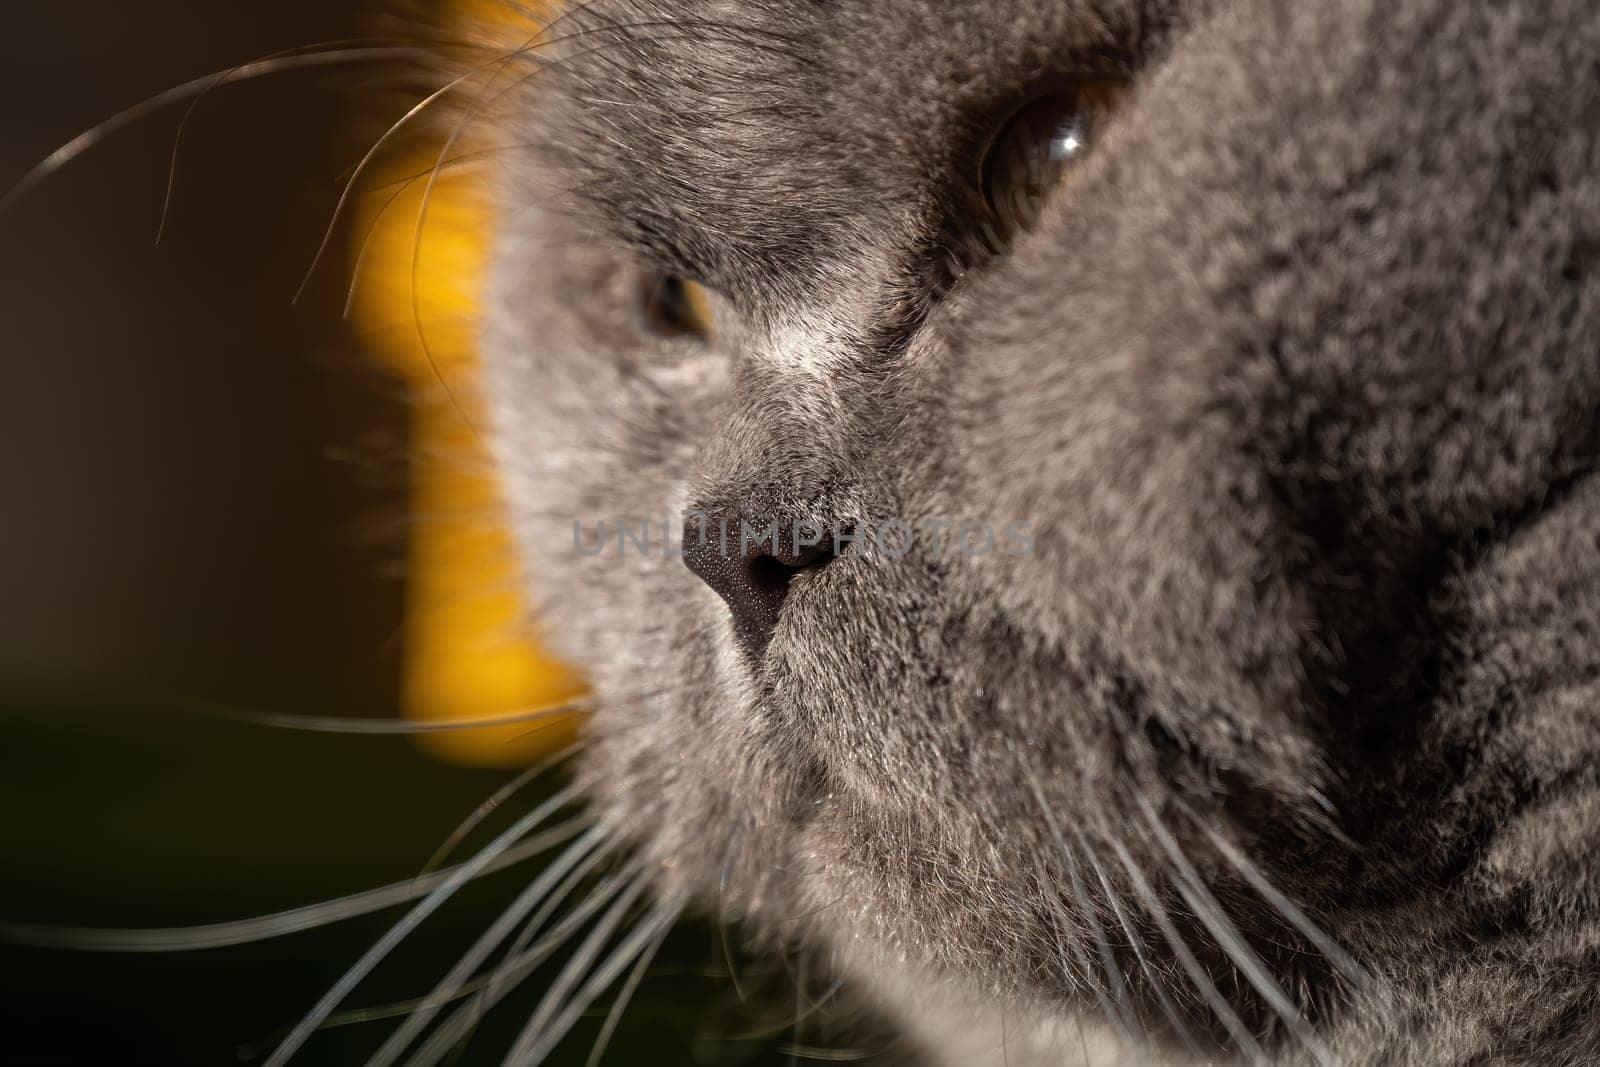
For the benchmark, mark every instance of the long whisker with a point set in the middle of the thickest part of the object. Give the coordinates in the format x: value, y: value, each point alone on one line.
x: 536, y: 1043
x: 1136, y: 942
x: 366, y: 242
x: 1108, y: 961
x: 360, y: 168
x: 1209, y: 911
x: 495, y: 67
x: 429, y: 904
x: 220, y: 79
x: 1342, y: 960
x: 497, y: 932
x: 722, y: 928
x: 397, y: 189
x: 624, y: 997
x: 526, y: 49
x: 321, y: 724
x: 422, y: 215
x: 566, y: 982
x: 394, y: 1009
x: 811, y: 1009
x: 499, y: 797
x: 1191, y: 966
x: 530, y: 930
x: 278, y: 924
x: 797, y: 1023
x: 829, y: 1055
x: 519, y: 964
x: 50, y: 164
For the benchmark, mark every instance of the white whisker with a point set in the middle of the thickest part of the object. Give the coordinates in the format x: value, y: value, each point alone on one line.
x: 1186, y: 958
x: 335, y: 725
x: 218, y: 80
x: 1114, y: 1013
x: 537, y: 1039
x: 497, y: 932
x: 429, y: 904
x: 499, y: 797
x: 1347, y: 965
x: 1209, y: 911
x: 91, y: 137
x: 278, y: 924
x: 484, y: 982
x: 577, y: 966
x: 495, y: 986
x: 1168, y: 1007
x: 624, y: 997
x: 355, y: 176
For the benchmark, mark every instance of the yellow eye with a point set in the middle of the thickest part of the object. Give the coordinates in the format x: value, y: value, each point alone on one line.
x: 677, y: 307
x: 1039, y: 147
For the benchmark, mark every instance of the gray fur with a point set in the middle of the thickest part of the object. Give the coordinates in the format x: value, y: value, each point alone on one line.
x: 1296, y: 383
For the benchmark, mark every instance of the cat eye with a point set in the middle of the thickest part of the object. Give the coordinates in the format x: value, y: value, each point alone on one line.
x: 1037, y: 149
x: 675, y: 307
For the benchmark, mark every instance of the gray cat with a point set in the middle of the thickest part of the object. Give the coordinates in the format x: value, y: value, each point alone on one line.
x: 1235, y: 367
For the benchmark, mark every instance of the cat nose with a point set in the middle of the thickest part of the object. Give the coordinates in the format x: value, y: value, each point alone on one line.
x: 751, y: 568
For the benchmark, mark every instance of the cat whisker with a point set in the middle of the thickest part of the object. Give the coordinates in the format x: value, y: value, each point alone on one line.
x: 722, y: 926
x: 811, y: 1009
x: 397, y: 189
x: 220, y: 79
x: 277, y: 924
x: 499, y: 797
x: 1209, y: 911
x: 522, y: 961
x: 83, y: 142
x: 402, y: 929
x: 391, y: 1010
x: 498, y: 931
x: 1117, y: 1013
x: 323, y: 724
x: 411, y: 114
x: 624, y: 997
x: 366, y: 243
x: 798, y: 975
x: 577, y: 966
x: 1336, y: 955
x: 483, y: 981
x: 542, y: 1034
x: 829, y: 1055
x: 1203, y: 984
x: 354, y: 725
x: 422, y: 215
x: 1078, y: 968
x: 1136, y: 942
x: 360, y: 168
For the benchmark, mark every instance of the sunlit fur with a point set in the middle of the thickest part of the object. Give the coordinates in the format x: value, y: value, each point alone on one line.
x: 1281, y: 744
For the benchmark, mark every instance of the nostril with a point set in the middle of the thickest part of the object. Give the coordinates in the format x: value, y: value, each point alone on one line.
x: 754, y: 579
x: 770, y: 575
x: 773, y: 574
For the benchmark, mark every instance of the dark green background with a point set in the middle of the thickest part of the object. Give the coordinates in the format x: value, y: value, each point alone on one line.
x: 131, y: 815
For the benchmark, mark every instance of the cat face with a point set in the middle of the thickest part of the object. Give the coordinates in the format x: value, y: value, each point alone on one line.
x: 1195, y: 345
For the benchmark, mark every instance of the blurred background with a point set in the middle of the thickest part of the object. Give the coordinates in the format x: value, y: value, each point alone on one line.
x: 207, y: 501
